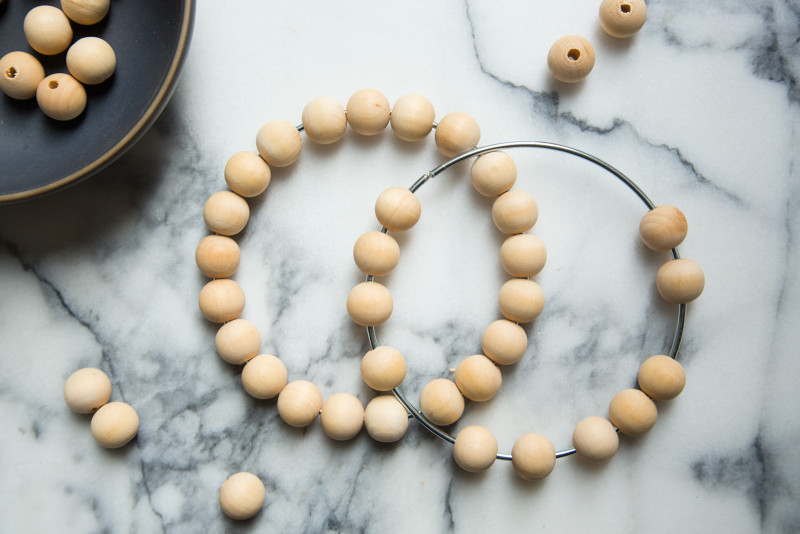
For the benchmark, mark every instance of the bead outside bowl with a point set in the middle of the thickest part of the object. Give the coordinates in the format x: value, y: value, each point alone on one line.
x: 39, y: 155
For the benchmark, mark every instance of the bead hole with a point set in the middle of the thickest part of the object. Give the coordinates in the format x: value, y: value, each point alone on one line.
x: 53, y: 84
x: 11, y: 72
x: 625, y: 8
x: 574, y: 54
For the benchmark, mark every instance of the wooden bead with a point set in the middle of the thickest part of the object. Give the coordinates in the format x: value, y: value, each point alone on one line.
x: 264, y: 376
x: 368, y: 112
x: 86, y: 12
x: 226, y: 213
x: 115, y: 424
x: 680, y: 281
x: 622, y: 18
x: 221, y: 300
x: 369, y: 304
x: 247, y: 174
x: 383, y: 368
x: 412, y: 117
x: 504, y: 342
x: 217, y: 256
x: 86, y: 390
x: 632, y: 412
x: 342, y: 416
x: 533, y: 457
x: 279, y: 143
x: 61, y: 97
x: 47, y: 30
x: 475, y: 449
x: 398, y: 209
x: 299, y: 403
x: 20, y: 74
x: 493, y: 174
x: 238, y: 341
x: 663, y: 228
x: 456, y: 133
x: 595, y: 439
x: 478, y: 378
x: 91, y: 60
x: 523, y: 255
x: 571, y: 58
x: 521, y: 300
x: 242, y: 496
x: 515, y: 212
x: 385, y: 419
x: 376, y: 253
x: 324, y: 120
x: 441, y: 402
x: 662, y: 377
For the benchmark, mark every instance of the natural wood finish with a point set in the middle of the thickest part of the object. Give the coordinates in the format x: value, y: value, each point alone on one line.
x: 241, y: 496
x: 533, y: 456
x: 595, y: 439
x: 47, y: 30
x: 515, y: 212
x: 571, y: 58
x: 412, y: 117
x: 342, y: 416
x: 226, y: 213
x: 238, y: 341
x: 20, y: 74
x: 662, y: 377
x: 398, y: 209
x: 478, y: 378
x: 369, y: 304
x: 368, y: 112
x: 523, y: 255
x: 441, y: 402
x: 264, y: 376
x: 456, y: 133
x: 663, y: 228
x: 299, y: 403
x: 622, y: 18
x: 324, y: 120
x: 504, y: 342
x: 632, y: 412
x: 385, y: 419
x: 376, y: 253
x: 221, y: 300
x: 493, y: 174
x: 475, y: 449
x: 521, y: 300
x: 279, y: 143
x: 247, y: 174
x: 91, y: 60
x: 217, y: 256
x: 86, y: 12
x: 383, y: 368
x: 61, y: 97
x: 86, y: 390
x: 115, y: 424
x: 680, y: 281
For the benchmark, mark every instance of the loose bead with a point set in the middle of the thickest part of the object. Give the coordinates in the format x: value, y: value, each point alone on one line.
x: 595, y: 439
x: 279, y: 143
x: 221, y: 300
x: 217, y: 256
x: 20, y: 74
x: 523, y: 255
x: 324, y: 120
x: 342, y: 416
x: 47, y: 30
x: 115, y: 424
x: 441, y: 402
x: 622, y: 18
x: 376, y: 253
x: 369, y: 304
x: 238, y: 341
x: 412, y: 117
x: 478, y: 378
x: 368, y: 112
x: 91, y: 60
x: 398, y: 209
x: 456, y: 133
x: 662, y: 377
x: 475, y: 449
x: 385, y: 419
x: 383, y: 368
x: 663, y: 228
x: 86, y: 12
x: 680, y: 281
x: 632, y: 412
x: 61, y: 97
x: 226, y: 213
x: 493, y: 174
x: 299, y: 403
x: 264, y: 376
x: 521, y: 300
x: 86, y: 390
x: 571, y: 58
x: 242, y: 496
x: 533, y: 457
x: 504, y: 342
x: 247, y: 174
x: 515, y: 212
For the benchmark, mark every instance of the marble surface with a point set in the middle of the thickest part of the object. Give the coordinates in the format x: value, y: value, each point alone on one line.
x: 701, y: 109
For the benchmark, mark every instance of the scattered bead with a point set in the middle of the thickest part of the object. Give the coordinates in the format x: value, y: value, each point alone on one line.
x: 456, y: 133
x: 622, y: 18
x: 369, y: 304
x: 238, y: 341
x: 632, y: 412
x: 324, y: 120
x: 571, y: 58
x: 412, y: 117
x: 368, y: 112
x: 279, y: 143
x: 91, y: 60
x: 376, y: 253
x: 533, y: 457
x: 504, y: 342
x: 595, y: 439
x: 86, y: 12
x: 115, y: 424
x: 221, y: 300
x: 383, y: 368
x: 521, y: 300
x: 478, y: 378
x: 342, y: 416
x: 86, y: 390
x: 475, y: 449
x: 47, y: 30
x: 398, y: 209
x: 20, y: 74
x: 662, y: 377
x: 264, y: 376
x: 247, y: 174
x: 242, y: 496
x: 217, y: 256
x: 226, y: 213
x: 663, y: 228
x: 441, y: 402
x: 523, y: 255
x: 493, y: 174
x: 61, y: 97
x: 385, y: 419
x: 680, y: 281
x: 515, y: 212
x: 299, y: 403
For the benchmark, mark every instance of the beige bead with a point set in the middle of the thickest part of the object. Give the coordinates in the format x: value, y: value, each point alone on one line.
x: 533, y: 457
x: 632, y: 412
x: 662, y: 377
x: 47, y: 30
x: 622, y: 18
x: 385, y: 419
x: 398, y: 209
x: 115, y: 424
x: 504, y: 342
x: 475, y: 449
x: 663, y: 227
x: 521, y: 300
x: 493, y: 174
x: 238, y: 341
x: 247, y: 174
x: 342, y: 416
x: 20, y: 74
x: 478, y: 378
x: 523, y: 255
x: 242, y: 496
x: 279, y: 143
x: 456, y: 133
x: 515, y: 212
x: 376, y: 253
x: 299, y: 403
x: 86, y: 390
x: 86, y: 12
x: 412, y: 117
x: 571, y: 58
x: 595, y: 439
x: 91, y: 60
x: 441, y: 402
x: 264, y: 376
x: 217, y: 256
x: 680, y: 281
x: 383, y: 368
x: 221, y: 300
x: 61, y: 97
x: 226, y: 213
x: 369, y: 304
x: 368, y: 112
x: 324, y: 120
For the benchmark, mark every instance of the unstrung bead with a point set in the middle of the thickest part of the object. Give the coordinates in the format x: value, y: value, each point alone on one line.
x: 504, y: 342
x: 376, y: 253
x: 47, y: 30
x: 515, y: 212
x: 20, y: 74
x: 663, y: 227
x: 457, y: 132
x: 247, y: 174
x: 279, y: 143
x: 368, y: 112
x: 369, y: 304
x: 299, y: 403
x: 493, y: 174
x: 226, y: 213
x: 221, y: 300
x: 91, y: 60
x: 478, y: 378
x: 115, y: 424
x: 571, y: 58
x: 680, y: 281
x: 398, y: 209
x: 521, y: 300
x: 385, y: 419
x: 241, y: 496
x: 412, y: 117
x: 217, y: 256
x: 441, y: 402
x: 264, y: 376
x: 324, y: 120
x: 475, y: 449
x: 61, y: 97
x: 523, y: 255
x: 662, y: 377
x: 533, y: 456
x: 595, y: 439
x: 383, y: 368
x: 238, y: 341
x: 342, y: 416
x: 86, y: 390
x: 632, y: 412
x: 86, y: 12
x: 622, y: 18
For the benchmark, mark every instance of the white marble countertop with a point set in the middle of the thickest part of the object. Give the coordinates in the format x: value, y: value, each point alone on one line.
x: 701, y: 109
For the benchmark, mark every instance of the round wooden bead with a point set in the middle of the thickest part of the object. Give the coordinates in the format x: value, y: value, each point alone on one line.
x: 369, y: 304
x: 632, y: 412
x: 398, y: 209
x: 680, y: 281
x: 385, y: 419
x: 662, y: 377
x: 47, y: 30
x: 475, y: 449
x: 247, y: 174
x: 299, y: 403
x: 478, y: 378
x: 368, y: 112
x: 242, y: 496
x: 20, y: 74
x: 523, y: 255
x: 571, y: 58
x: 412, y: 117
x: 515, y: 212
x: 86, y: 390
x: 342, y: 416
x: 221, y: 300
x: 533, y: 457
x: 493, y: 174
x: 504, y: 342
x: 663, y: 227
x: 217, y: 256
x: 622, y: 18
x: 238, y: 341
x: 376, y: 253
x: 441, y: 402
x: 61, y: 97
x: 86, y: 12
x: 383, y: 368
x: 595, y: 439
x: 226, y: 213
x: 91, y: 60
x: 324, y: 120
x: 521, y: 300
x: 264, y: 376
x: 456, y: 133
x: 115, y: 424
x: 279, y: 143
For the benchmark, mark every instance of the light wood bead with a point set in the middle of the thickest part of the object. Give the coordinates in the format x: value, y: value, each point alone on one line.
x: 622, y: 18
x: 493, y: 174
x: 86, y: 390
x: 247, y: 174
x: 91, y: 60
x: 533, y: 457
x: 342, y: 416
x: 241, y: 496
x: 504, y: 342
x: 521, y: 300
x: 324, y: 120
x: 475, y: 449
x: 632, y: 412
x: 478, y: 378
x: 369, y: 304
x: 412, y: 117
x: 226, y: 213
x: 523, y: 255
x: 299, y: 403
x: 571, y: 58
x: 662, y: 377
x: 47, y: 30
x: 238, y: 341
x: 441, y: 402
x: 376, y: 253
x: 595, y: 439
x: 221, y: 300
x: 264, y: 376
x: 456, y: 133
x: 398, y: 209
x: 61, y: 97
x: 383, y: 368
x: 515, y: 212
x: 115, y: 424
x: 680, y: 281
x: 86, y: 12
x: 368, y: 112
x: 20, y: 74
x: 663, y: 228
x: 217, y: 256
x: 279, y: 143
x: 385, y: 419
